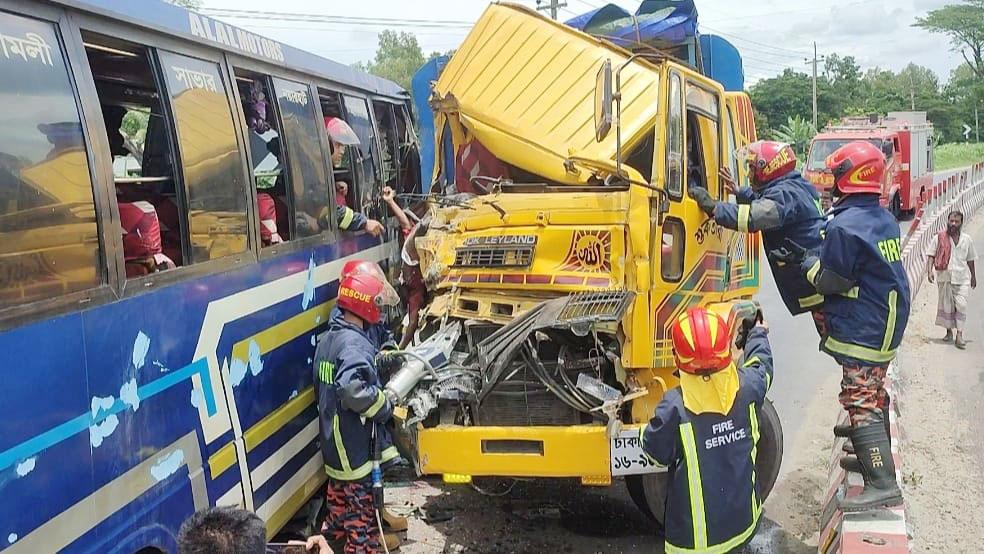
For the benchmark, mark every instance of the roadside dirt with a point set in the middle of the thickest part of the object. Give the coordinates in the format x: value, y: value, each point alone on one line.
x: 941, y: 408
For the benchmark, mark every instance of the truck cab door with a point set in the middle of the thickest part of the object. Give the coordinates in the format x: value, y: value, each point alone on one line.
x: 688, y: 248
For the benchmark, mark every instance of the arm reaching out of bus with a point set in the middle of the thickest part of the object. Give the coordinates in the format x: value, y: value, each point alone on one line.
x: 389, y: 196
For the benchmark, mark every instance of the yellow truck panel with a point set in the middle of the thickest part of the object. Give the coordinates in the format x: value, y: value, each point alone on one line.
x: 524, y: 87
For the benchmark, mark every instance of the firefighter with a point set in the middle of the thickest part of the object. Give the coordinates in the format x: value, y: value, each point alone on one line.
x: 859, y: 271
x: 353, y: 409
x: 781, y: 204
x: 706, y: 431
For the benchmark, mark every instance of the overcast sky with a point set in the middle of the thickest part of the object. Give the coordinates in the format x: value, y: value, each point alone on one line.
x: 771, y: 34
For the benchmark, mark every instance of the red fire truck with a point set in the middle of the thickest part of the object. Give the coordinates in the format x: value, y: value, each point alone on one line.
x: 906, y: 138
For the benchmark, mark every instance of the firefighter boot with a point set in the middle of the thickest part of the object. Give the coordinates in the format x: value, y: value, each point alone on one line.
x: 875, y: 456
x: 845, y: 430
x: 393, y: 522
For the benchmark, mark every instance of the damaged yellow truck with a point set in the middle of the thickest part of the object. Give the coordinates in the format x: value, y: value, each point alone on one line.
x: 563, y: 251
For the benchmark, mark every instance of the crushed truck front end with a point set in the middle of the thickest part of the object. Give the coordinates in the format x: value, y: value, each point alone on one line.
x: 560, y: 272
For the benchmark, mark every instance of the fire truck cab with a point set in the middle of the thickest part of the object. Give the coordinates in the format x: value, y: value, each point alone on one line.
x: 906, y: 138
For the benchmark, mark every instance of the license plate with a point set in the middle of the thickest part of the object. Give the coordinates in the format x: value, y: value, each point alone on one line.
x: 628, y: 457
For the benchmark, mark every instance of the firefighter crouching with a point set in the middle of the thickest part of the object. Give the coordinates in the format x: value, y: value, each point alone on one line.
x: 353, y: 409
x: 706, y: 431
x: 859, y: 271
x: 781, y: 204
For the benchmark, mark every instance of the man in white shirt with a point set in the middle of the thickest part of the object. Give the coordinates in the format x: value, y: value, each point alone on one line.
x: 953, y: 262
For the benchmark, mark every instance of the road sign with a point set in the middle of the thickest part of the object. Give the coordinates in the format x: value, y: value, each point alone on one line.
x: 967, y: 130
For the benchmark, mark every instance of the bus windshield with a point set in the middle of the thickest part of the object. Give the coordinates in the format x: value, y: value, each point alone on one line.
x: 823, y: 148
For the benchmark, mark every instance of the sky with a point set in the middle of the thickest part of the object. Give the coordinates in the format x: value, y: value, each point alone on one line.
x: 771, y: 34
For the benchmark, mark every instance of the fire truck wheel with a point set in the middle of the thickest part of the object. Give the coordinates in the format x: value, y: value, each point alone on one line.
x: 649, y: 491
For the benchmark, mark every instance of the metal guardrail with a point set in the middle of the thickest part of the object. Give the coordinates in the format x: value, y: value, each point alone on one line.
x: 963, y: 191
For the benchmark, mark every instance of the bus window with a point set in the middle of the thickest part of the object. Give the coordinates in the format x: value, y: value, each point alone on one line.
x: 344, y: 177
x: 265, y: 144
x: 409, y: 162
x: 301, y: 129
x: 390, y: 143
x: 49, y: 244
x: 214, y: 185
x: 370, y: 192
x: 140, y: 146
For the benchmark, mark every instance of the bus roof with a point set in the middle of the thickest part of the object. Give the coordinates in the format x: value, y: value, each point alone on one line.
x: 160, y: 16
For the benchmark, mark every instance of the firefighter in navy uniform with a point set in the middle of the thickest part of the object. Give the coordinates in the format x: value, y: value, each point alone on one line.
x: 859, y: 271
x: 706, y: 430
x: 782, y: 205
x: 353, y: 409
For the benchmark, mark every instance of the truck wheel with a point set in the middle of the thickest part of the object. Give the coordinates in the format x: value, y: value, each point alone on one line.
x: 896, y: 206
x: 649, y: 491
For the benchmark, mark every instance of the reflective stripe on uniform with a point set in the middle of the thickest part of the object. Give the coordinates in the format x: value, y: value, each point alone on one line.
x: 753, y: 418
x: 361, y: 471
x: 893, y: 298
x: 336, y: 434
x: 347, y: 218
x: 853, y: 292
x: 723, y: 548
x: 858, y: 351
x: 756, y: 360
x: 696, y: 487
x: 811, y: 301
x: 744, y: 215
x: 811, y: 274
x: 376, y: 406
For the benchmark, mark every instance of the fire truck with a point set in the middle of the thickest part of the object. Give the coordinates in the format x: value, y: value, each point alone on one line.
x: 906, y: 138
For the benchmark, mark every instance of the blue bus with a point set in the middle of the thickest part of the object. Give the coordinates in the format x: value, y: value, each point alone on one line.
x: 157, y: 364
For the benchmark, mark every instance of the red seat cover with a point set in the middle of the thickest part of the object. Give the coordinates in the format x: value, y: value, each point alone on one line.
x: 473, y: 160
x: 268, y: 219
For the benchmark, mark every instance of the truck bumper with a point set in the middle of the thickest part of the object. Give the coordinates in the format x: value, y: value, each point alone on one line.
x: 458, y: 452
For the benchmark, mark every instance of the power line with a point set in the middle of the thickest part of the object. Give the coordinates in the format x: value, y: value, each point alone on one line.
x: 348, y: 20
x: 770, y: 46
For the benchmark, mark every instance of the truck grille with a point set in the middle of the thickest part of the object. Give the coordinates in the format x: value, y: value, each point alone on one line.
x: 525, y: 403
x: 504, y: 256
x: 595, y: 306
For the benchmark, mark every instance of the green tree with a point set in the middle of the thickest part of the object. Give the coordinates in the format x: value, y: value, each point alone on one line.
x: 782, y: 97
x: 398, y: 57
x: 797, y: 132
x: 963, y: 23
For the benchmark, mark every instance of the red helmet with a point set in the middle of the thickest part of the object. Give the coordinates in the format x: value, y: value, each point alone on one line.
x: 701, y: 342
x: 363, y: 290
x: 767, y: 160
x: 858, y: 167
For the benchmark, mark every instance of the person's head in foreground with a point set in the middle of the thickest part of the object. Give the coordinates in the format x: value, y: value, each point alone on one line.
x: 222, y: 530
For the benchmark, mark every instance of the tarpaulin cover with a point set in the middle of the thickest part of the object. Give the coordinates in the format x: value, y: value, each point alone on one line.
x: 655, y: 21
x: 722, y: 62
x: 421, y: 89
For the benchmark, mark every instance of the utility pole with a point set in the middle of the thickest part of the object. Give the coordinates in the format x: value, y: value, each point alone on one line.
x: 977, y: 124
x: 912, y: 91
x: 553, y: 6
x: 815, y: 61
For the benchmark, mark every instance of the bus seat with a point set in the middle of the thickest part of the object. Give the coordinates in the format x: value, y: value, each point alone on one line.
x: 475, y: 160
x: 167, y: 213
x: 268, y: 219
x: 142, y: 238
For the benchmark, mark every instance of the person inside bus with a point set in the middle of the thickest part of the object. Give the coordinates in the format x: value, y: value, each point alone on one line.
x: 232, y: 530
x: 341, y: 135
x: 341, y: 193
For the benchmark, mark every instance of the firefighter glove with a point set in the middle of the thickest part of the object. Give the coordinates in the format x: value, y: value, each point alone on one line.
x: 704, y: 200
x: 790, y: 253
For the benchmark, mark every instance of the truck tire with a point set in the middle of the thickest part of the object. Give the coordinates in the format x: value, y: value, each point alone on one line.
x: 895, y: 206
x: 649, y: 491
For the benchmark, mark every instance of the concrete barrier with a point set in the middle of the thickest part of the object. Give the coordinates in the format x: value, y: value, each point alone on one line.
x: 885, y: 531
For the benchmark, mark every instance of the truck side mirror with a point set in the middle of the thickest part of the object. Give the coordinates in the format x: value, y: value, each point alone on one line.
x: 603, y: 101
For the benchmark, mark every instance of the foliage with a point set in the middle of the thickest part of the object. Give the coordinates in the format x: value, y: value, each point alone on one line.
x: 963, y: 23
x: 134, y: 129
x: 398, y: 57
x: 957, y: 155
x: 797, y: 132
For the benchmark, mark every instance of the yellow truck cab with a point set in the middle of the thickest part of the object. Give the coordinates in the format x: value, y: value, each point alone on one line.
x: 562, y: 278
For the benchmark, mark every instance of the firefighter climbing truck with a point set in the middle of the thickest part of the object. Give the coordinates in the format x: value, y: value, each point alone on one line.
x: 556, y: 277
x: 906, y: 138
